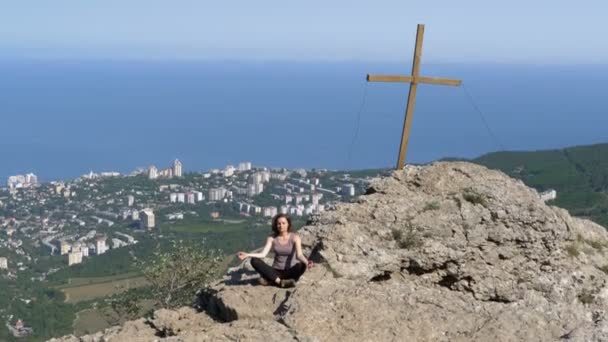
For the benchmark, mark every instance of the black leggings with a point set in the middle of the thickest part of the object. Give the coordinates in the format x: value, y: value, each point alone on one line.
x: 271, y: 274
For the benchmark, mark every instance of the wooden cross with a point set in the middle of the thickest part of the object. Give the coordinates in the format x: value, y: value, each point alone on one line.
x: 413, y: 80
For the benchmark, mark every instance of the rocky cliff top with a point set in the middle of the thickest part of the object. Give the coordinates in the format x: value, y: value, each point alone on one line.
x: 446, y: 252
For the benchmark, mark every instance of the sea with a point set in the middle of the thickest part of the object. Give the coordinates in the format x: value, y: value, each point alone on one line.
x: 62, y: 119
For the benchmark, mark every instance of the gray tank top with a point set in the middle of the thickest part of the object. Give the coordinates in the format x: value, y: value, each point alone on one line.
x: 284, y: 254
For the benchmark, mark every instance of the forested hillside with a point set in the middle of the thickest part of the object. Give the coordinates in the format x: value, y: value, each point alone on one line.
x: 579, y: 174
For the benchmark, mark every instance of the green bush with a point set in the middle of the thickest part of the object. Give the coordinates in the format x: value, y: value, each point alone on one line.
x: 474, y: 197
x: 572, y: 250
x: 407, y: 237
x: 176, y: 275
x: 431, y: 206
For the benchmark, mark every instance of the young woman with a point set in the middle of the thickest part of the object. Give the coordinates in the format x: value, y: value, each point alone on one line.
x: 287, y: 248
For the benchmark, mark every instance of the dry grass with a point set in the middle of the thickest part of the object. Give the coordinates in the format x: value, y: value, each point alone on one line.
x: 74, y: 294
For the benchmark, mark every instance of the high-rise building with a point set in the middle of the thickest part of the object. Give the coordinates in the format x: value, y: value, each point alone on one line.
x: 74, y: 258
x: 147, y: 220
x: 244, y: 166
x: 31, y: 179
x: 217, y: 194
x: 152, y: 172
x: 64, y: 247
x: 100, y: 245
x: 255, y: 189
x: 166, y: 173
x: 3, y: 263
x: 257, y: 178
x: 22, y: 181
x: 190, y: 198
x: 177, y: 168
x: 130, y: 200
x: 228, y: 171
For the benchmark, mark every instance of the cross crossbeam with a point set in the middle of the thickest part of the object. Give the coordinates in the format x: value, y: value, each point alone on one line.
x: 414, y: 79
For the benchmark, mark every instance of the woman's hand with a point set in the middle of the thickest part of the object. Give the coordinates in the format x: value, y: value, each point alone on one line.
x: 309, y: 264
x: 242, y: 255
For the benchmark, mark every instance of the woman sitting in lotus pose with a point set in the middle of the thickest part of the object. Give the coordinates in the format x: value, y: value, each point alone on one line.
x: 287, y: 248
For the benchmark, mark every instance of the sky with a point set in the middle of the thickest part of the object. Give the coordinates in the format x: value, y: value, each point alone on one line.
x: 465, y: 31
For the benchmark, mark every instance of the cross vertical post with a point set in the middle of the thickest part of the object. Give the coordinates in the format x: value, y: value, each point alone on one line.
x: 413, y: 80
x: 411, y: 98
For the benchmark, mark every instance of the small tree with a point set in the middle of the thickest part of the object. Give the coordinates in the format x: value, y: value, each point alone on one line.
x: 176, y: 275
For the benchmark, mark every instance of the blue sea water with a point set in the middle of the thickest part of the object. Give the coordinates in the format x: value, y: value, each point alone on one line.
x: 60, y: 119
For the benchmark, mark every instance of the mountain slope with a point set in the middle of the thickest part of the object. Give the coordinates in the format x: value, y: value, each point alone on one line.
x: 444, y: 252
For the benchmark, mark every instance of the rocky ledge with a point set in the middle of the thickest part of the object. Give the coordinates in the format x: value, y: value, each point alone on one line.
x: 444, y: 252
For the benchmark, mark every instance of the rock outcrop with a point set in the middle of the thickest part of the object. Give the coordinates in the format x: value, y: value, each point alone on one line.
x: 445, y: 252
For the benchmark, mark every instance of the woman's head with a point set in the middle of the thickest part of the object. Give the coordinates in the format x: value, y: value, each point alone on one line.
x: 281, y: 222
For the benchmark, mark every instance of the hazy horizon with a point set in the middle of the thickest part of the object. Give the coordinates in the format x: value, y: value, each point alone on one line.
x: 63, y: 119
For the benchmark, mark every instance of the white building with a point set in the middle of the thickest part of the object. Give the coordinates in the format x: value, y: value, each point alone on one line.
x: 31, y: 179
x: 190, y: 198
x: 152, y: 172
x: 279, y: 176
x: 548, y: 195
x: 130, y: 200
x: 348, y: 190
x: 22, y: 181
x: 173, y: 197
x: 134, y: 215
x: 84, y: 249
x: 257, y: 178
x: 217, y: 194
x: 181, y: 197
x: 100, y: 245
x: 255, y: 189
x: 244, y: 166
x: 269, y: 211
x: 64, y: 247
x: 199, y: 196
x: 3, y: 263
x: 74, y: 258
x: 315, y: 198
x: 228, y: 171
x: 147, y: 219
x: 177, y: 168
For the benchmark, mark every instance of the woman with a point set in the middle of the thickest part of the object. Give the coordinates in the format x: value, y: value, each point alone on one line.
x: 287, y: 248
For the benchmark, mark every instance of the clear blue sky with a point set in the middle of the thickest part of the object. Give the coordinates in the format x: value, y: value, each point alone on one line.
x: 515, y: 31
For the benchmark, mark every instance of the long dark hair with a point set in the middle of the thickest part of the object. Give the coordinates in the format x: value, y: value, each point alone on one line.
x: 275, y: 228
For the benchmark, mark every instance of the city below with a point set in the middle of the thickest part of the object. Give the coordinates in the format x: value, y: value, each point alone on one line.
x: 48, y: 227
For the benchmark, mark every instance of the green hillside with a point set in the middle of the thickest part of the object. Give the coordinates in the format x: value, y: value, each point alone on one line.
x: 579, y: 174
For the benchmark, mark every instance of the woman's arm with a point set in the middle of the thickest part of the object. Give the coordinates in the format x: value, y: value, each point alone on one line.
x: 243, y: 255
x: 298, y: 241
